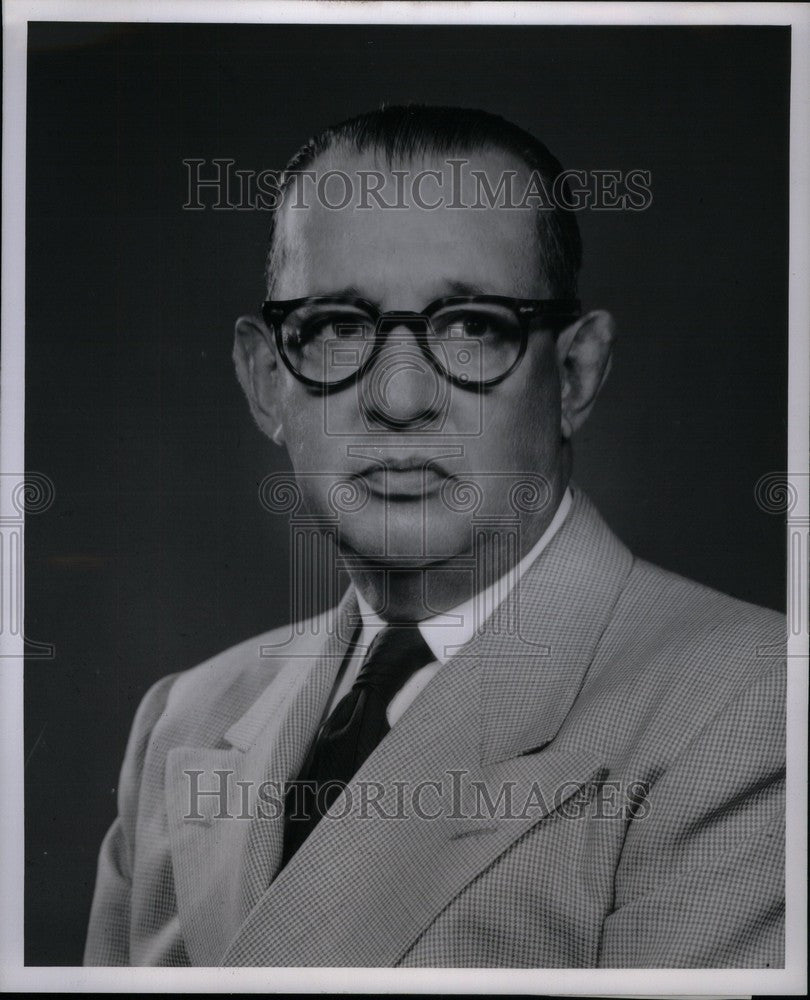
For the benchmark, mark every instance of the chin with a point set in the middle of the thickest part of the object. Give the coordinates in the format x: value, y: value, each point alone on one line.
x: 395, y: 531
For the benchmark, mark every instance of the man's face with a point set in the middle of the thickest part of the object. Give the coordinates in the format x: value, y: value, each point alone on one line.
x: 424, y: 479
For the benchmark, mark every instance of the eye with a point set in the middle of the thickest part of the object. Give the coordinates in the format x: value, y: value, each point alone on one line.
x: 319, y: 325
x: 333, y: 326
x: 475, y: 326
x: 478, y: 323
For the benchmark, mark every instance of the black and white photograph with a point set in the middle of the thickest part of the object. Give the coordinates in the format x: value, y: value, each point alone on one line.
x: 405, y: 497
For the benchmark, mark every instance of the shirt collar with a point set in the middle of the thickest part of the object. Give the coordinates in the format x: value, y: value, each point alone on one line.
x: 449, y: 631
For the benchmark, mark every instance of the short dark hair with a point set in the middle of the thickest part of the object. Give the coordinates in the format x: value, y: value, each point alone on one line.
x: 402, y: 131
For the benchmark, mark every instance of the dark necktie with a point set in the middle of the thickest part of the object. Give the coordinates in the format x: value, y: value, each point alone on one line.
x: 354, y: 728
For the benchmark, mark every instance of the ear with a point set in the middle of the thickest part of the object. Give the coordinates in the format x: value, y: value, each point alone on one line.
x: 583, y: 356
x: 257, y: 369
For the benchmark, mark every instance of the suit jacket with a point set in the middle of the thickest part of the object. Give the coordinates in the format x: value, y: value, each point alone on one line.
x: 595, y: 780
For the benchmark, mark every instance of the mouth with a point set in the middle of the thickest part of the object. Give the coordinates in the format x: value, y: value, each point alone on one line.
x: 404, y: 480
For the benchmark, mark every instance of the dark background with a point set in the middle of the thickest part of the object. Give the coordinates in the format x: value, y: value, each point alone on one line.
x: 157, y: 553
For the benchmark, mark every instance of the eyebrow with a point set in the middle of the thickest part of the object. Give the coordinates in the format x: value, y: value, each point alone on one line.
x: 450, y: 286
x: 349, y: 292
x: 462, y: 287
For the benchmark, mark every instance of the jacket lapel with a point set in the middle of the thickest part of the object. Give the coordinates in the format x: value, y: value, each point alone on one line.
x: 226, y: 847
x: 369, y: 881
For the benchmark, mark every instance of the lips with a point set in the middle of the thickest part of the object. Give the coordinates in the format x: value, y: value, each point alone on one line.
x: 404, y: 479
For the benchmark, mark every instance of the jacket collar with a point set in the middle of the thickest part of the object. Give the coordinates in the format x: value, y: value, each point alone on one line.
x: 536, y: 649
x: 310, y: 667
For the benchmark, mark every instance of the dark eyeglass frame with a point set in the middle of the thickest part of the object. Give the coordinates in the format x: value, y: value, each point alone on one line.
x: 275, y: 312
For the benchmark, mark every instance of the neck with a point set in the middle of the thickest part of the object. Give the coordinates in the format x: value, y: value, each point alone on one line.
x: 419, y: 592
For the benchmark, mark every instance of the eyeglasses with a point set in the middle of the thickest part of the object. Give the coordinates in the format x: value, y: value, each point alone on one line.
x: 473, y: 340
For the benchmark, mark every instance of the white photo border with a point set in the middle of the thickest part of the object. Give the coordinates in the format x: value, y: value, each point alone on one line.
x: 791, y: 980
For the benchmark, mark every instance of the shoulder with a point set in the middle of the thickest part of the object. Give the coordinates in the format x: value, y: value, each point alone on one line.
x: 204, y: 700
x: 678, y: 657
x: 655, y: 587
x: 654, y: 606
x: 687, y: 619
x: 664, y: 629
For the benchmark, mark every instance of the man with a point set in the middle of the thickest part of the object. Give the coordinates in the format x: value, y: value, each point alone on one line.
x: 512, y: 743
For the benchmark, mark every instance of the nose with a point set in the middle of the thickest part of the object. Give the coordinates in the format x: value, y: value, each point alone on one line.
x: 402, y: 389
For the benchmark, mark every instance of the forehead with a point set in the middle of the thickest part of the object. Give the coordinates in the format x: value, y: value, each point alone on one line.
x: 394, y: 247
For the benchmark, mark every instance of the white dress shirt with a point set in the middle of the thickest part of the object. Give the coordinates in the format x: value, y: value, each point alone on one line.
x: 444, y: 633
